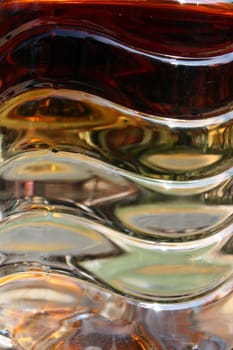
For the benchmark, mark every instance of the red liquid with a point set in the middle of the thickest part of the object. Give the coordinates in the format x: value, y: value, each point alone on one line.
x: 158, y: 57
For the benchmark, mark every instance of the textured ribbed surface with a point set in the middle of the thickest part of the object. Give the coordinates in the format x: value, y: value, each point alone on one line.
x: 116, y: 168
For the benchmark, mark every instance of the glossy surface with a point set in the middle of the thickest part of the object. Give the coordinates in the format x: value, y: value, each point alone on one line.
x: 116, y: 175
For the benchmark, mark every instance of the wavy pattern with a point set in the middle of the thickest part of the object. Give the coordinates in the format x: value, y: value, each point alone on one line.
x: 141, y: 70
x: 152, y: 147
x: 116, y: 175
x: 164, y: 177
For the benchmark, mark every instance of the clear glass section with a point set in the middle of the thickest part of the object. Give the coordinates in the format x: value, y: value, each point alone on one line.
x: 116, y: 175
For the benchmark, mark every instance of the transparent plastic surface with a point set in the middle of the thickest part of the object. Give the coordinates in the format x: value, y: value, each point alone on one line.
x: 116, y: 175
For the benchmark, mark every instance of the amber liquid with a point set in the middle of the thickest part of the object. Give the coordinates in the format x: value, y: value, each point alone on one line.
x: 116, y: 146
x: 157, y: 57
